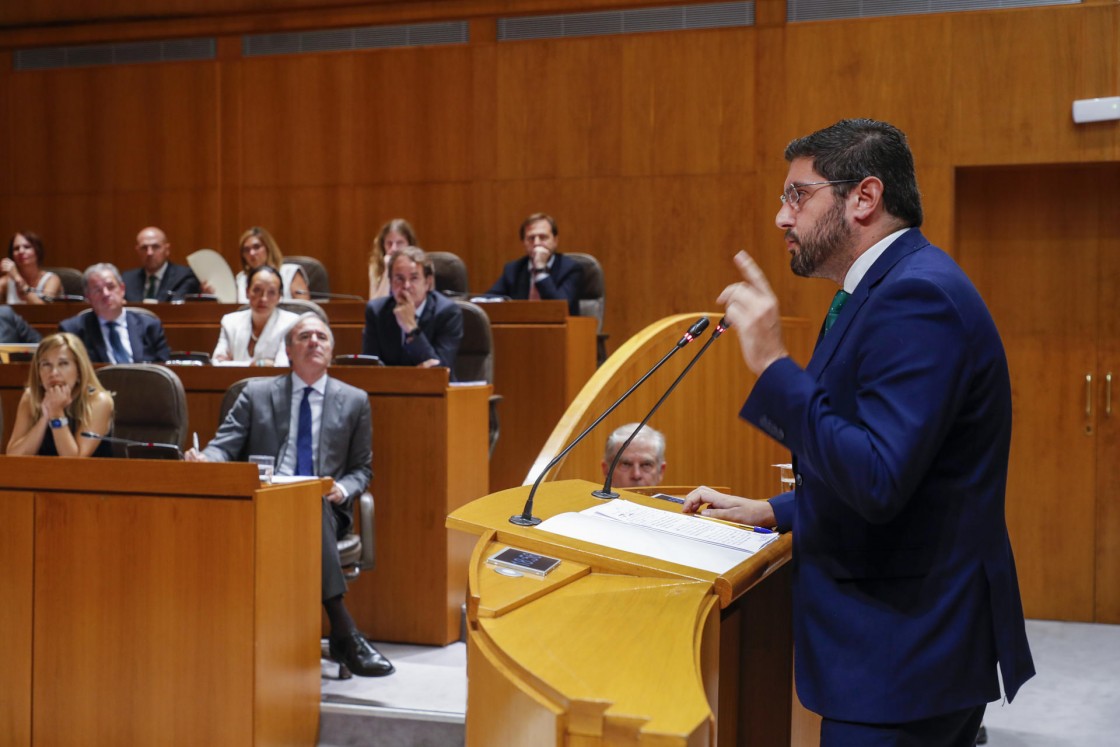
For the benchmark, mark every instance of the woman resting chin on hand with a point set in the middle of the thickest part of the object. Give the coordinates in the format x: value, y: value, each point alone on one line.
x: 63, y: 399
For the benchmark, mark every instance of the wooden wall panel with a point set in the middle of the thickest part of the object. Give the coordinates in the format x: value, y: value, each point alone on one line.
x: 1015, y: 77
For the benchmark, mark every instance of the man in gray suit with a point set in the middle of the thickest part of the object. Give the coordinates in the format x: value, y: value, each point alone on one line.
x: 312, y: 425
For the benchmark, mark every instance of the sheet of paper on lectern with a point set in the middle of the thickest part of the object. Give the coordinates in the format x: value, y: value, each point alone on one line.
x: 677, y: 538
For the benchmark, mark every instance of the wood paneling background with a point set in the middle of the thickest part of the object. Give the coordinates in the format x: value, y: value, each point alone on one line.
x: 659, y: 153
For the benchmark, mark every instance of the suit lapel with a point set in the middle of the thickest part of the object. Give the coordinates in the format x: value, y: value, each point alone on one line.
x: 904, y: 245
x: 282, y: 413
x: 331, y: 419
x: 135, y: 337
x: 95, y: 338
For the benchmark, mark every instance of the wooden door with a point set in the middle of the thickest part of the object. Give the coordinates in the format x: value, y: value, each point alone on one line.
x: 1033, y: 240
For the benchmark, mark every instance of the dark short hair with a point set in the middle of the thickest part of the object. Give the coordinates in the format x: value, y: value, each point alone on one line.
x: 858, y: 148
x: 32, y: 238
x: 263, y: 268
x: 417, y: 255
x: 533, y: 219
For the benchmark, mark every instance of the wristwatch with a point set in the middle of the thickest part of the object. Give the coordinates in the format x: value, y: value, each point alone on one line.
x: 60, y: 422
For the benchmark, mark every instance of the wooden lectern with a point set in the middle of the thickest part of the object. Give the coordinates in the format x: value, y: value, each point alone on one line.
x: 156, y: 603
x: 614, y: 648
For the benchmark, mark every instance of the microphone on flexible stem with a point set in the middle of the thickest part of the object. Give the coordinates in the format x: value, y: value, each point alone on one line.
x: 60, y: 297
x: 606, y: 492
x: 526, y: 518
x: 126, y: 441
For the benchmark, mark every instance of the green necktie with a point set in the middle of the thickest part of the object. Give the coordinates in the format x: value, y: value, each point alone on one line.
x: 151, y: 290
x: 838, y: 302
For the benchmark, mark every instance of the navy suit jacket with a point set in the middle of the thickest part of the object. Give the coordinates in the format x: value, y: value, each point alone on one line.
x: 178, y: 281
x: 441, y: 333
x: 564, y: 281
x: 145, y: 334
x: 14, y: 328
x: 905, y: 592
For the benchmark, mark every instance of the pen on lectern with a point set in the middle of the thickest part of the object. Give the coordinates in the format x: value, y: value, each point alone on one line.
x: 196, y: 440
x: 748, y: 527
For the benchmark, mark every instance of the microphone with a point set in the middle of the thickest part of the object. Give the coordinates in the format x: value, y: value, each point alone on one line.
x: 328, y: 296
x: 606, y: 492
x: 127, y: 441
x: 60, y: 297
x: 526, y: 518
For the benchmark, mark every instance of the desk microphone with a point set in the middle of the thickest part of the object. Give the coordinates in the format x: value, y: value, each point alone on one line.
x: 526, y: 518
x: 606, y: 492
x: 323, y: 295
x: 60, y: 297
x: 128, y: 441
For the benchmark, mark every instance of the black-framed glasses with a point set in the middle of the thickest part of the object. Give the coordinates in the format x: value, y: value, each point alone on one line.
x: 792, y: 195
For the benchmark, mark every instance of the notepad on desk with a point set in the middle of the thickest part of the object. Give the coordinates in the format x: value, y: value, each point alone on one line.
x: 677, y: 538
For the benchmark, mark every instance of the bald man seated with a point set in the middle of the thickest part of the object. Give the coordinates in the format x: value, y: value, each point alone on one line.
x: 157, y: 278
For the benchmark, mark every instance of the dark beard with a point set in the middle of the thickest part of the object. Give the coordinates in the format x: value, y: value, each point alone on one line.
x: 828, y: 239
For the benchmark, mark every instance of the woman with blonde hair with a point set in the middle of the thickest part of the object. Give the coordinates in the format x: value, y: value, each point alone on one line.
x: 63, y: 400
x: 396, y: 234
x: 259, y: 248
x: 22, y: 279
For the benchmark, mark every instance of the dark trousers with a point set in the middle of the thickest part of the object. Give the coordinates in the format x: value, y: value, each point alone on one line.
x: 956, y: 729
x: 334, y: 583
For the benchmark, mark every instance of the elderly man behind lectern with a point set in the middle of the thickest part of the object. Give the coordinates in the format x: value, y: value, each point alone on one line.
x: 313, y: 425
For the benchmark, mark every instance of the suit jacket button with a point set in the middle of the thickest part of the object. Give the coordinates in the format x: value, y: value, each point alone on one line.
x: 798, y: 480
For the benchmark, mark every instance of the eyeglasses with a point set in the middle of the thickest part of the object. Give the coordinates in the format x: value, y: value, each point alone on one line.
x: 792, y: 195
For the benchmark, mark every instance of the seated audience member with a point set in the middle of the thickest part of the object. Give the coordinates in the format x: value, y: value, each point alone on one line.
x: 415, y: 326
x: 63, y: 399
x: 21, y: 278
x: 14, y: 328
x: 545, y: 274
x: 113, y: 333
x: 643, y: 462
x: 256, y: 334
x: 157, y: 278
x: 312, y: 424
x: 259, y: 248
x: 396, y: 234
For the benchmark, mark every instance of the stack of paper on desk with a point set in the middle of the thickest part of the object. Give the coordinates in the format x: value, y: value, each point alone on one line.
x: 678, y: 538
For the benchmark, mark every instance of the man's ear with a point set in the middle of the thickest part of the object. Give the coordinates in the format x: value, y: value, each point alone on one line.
x: 866, y: 199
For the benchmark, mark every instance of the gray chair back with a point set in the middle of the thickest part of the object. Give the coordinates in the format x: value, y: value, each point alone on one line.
x: 475, y: 361
x: 318, y: 280
x: 592, y: 297
x: 149, y: 404
x: 300, y: 306
x: 71, y: 280
x: 450, y: 273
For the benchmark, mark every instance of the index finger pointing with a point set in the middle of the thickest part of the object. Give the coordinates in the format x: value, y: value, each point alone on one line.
x: 752, y: 273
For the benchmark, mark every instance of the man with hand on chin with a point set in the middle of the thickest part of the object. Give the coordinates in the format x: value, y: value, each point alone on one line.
x: 905, y: 596
x: 414, y: 325
x: 547, y: 274
x: 311, y: 424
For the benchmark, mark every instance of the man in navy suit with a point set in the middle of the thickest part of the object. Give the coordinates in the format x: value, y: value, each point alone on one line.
x: 157, y: 278
x: 413, y: 325
x: 545, y: 274
x: 14, y: 328
x: 905, y: 593
x: 111, y: 332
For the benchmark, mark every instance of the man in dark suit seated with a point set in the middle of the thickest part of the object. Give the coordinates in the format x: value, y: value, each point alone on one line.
x: 414, y: 325
x: 311, y: 424
x: 545, y: 274
x: 157, y: 278
x: 113, y: 333
x: 14, y: 328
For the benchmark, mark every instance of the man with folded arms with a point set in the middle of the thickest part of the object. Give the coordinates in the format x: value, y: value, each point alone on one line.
x: 113, y: 333
x: 157, y: 278
x: 311, y: 424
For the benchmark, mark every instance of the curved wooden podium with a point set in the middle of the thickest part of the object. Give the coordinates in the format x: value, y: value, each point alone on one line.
x: 615, y: 648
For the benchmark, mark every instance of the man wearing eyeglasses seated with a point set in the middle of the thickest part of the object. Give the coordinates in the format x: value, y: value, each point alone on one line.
x: 643, y: 462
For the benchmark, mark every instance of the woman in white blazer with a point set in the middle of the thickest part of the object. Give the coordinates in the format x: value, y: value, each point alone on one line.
x: 256, y: 334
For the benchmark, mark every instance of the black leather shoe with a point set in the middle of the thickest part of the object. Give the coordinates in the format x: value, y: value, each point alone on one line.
x: 354, y: 654
x: 982, y: 735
